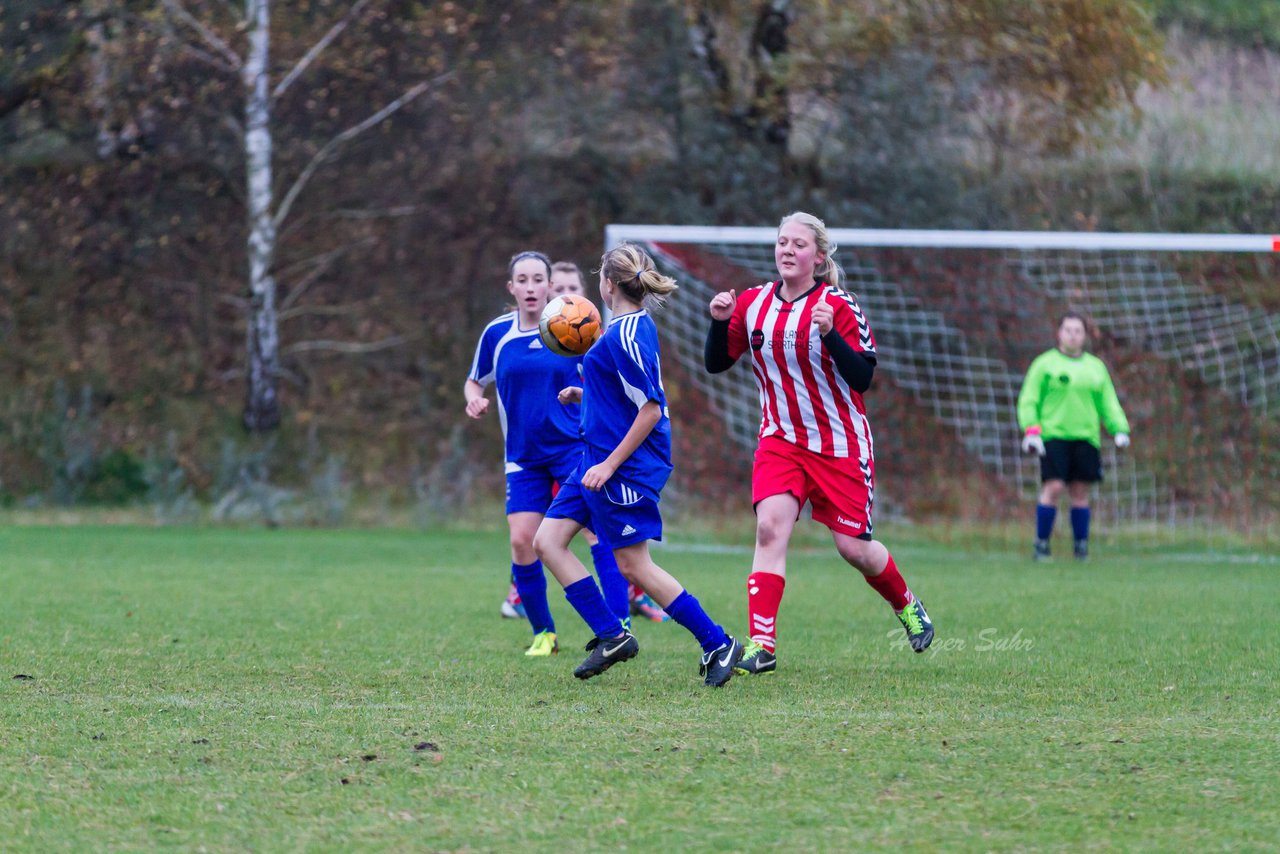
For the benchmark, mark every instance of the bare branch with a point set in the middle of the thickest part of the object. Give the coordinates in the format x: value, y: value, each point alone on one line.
x: 209, y: 58
x: 189, y: 286
x: 304, y: 283
x: 374, y: 213
x: 231, y: 10
x: 348, y: 310
x: 321, y: 258
x: 317, y: 48
x: 233, y: 124
x: 209, y: 36
x: 176, y: 284
x: 320, y: 265
x: 346, y: 346
x: 355, y: 130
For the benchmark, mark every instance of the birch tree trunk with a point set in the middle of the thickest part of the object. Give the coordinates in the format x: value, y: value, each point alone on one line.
x: 262, y: 403
x: 96, y: 38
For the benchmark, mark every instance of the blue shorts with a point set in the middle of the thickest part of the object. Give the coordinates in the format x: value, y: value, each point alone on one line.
x: 530, y: 489
x: 621, y: 525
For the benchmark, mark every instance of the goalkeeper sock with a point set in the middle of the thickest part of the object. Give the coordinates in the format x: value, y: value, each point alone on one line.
x: 1044, y: 521
x: 1080, y: 523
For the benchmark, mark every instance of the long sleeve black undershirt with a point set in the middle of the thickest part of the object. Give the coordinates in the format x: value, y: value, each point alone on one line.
x: 855, y: 368
x: 715, y: 355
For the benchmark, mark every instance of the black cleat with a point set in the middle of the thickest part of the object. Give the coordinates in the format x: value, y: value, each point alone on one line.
x: 1081, y: 549
x: 756, y: 660
x: 1042, y: 550
x: 918, y: 625
x: 606, y: 652
x: 718, y: 664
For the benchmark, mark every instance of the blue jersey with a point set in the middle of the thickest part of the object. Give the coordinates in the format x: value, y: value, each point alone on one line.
x: 536, y: 427
x: 620, y: 373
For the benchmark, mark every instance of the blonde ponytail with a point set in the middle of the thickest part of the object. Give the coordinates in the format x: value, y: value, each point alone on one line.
x: 633, y: 272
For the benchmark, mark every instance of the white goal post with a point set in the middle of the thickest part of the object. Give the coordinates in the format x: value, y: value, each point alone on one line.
x: 958, y: 315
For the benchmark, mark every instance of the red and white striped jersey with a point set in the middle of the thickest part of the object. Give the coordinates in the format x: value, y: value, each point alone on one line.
x: 803, y: 398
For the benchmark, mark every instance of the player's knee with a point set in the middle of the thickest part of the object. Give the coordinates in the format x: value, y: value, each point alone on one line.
x: 544, y: 543
x: 628, y: 566
x: 856, y: 553
x: 769, y: 533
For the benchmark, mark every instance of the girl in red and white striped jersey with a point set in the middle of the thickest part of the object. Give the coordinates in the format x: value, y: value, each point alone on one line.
x: 813, y: 355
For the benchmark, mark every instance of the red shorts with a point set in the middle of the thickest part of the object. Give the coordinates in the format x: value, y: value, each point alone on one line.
x: 839, y: 488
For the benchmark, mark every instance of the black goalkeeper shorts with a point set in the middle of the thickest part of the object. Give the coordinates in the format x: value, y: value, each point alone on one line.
x: 1070, y: 460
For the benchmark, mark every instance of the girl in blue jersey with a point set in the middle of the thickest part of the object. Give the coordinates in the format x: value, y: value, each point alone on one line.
x: 566, y: 278
x: 616, y: 488
x: 540, y: 436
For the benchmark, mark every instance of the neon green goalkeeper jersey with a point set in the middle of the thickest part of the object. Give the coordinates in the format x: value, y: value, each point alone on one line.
x: 1067, y: 397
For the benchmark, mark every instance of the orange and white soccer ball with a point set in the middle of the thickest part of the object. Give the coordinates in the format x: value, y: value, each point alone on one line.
x: 569, y: 325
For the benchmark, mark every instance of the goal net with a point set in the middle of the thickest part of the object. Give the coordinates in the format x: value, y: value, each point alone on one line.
x: 1189, y: 326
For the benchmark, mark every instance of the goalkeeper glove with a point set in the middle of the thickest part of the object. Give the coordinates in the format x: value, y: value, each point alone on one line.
x: 1033, y: 442
x: 1122, y: 440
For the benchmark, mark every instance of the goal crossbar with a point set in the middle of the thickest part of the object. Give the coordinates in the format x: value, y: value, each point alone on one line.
x: 941, y: 239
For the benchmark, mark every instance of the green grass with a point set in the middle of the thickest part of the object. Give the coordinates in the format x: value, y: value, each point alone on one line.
x: 1247, y: 22
x: 231, y: 690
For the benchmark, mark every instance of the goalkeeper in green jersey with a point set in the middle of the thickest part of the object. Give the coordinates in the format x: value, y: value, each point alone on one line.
x: 1066, y: 394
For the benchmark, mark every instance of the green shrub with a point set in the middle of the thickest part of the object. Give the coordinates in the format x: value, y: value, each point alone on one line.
x: 1250, y: 22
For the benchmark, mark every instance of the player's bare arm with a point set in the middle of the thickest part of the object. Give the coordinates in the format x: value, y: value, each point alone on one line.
x: 477, y: 403
x: 646, y: 419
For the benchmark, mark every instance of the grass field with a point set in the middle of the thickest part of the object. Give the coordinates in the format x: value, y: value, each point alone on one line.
x: 233, y: 690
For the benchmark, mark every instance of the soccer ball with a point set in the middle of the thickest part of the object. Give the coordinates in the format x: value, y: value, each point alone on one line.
x: 569, y: 325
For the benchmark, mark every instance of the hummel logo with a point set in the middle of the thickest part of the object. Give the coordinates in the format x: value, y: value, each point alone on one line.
x: 849, y: 522
x: 628, y: 531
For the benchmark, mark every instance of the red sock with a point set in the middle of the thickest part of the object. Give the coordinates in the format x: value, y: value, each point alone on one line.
x: 764, y: 595
x: 890, y: 585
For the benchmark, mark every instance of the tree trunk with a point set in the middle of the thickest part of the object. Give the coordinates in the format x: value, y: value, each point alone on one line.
x: 100, y: 85
x: 262, y: 403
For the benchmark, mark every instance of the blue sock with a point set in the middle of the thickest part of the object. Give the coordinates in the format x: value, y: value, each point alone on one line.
x: 686, y: 611
x: 531, y: 584
x: 612, y: 583
x: 586, y: 599
x: 1080, y: 522
x: 1044, y: 520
